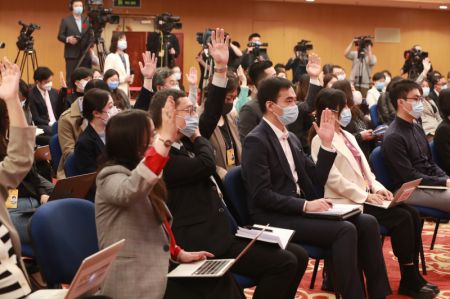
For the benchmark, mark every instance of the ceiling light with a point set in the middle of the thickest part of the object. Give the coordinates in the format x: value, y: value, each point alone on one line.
x: 443, y: 7
x: 310, y: 0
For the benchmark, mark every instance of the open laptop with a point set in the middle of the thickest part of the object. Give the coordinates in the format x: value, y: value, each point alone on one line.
x: 73, y: 187
x: 402, y: 195
x: 213, y: 267
x: 89, y: 277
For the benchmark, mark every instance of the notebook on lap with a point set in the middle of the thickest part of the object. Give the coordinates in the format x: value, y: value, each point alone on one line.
x: 73, y: 187
x: 402, y: 195
x: 89, y: 277
x: 336, y: 212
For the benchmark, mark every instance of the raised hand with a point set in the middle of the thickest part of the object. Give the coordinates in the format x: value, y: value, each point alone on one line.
x: 9, y: 89
x: 192, y: 76
x: 168, y: 127
x: 327, y: 127
x: 218, y: 47
x: 314, y: 66
x: 62, y: 80
x: 241, y: 75
x: 426, y: 64
x: 148, y: 67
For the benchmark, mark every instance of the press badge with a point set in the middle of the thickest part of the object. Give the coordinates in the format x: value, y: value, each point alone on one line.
x: 230, y: 157
x: 11, y: 202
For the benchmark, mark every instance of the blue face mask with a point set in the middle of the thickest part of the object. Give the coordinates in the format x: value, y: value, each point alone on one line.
x: 417, y: 109
x: 113, y: 85
x: 379, y: 86
x: 191, y: 126
x: 78, y: 10
x: 345, y: 117
x: 289, y: 116
x: 426, y: 91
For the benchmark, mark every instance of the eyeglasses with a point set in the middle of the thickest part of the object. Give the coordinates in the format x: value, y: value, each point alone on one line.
x: 418, y: 99
x: 191, y: 110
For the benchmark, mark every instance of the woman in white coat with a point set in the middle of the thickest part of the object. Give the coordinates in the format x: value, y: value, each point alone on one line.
x: 119, y: 61
x: 352, y: 181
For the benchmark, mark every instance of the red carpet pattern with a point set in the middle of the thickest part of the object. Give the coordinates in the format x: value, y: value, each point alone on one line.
x: 437, y: 261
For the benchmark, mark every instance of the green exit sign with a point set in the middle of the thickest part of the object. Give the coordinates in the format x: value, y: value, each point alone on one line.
x: 127, y: 3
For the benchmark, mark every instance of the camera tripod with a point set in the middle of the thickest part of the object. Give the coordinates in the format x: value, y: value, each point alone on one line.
x: 165, y: 58
x: 99, y: 44
x: 209, y: 70
x: 27, y: 55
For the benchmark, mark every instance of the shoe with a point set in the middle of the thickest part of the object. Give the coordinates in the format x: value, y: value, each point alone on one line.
x: 433, y: 287
x: 423, y: 293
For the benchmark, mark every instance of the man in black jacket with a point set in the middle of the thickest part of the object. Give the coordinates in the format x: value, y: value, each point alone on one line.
x: 407, y: 152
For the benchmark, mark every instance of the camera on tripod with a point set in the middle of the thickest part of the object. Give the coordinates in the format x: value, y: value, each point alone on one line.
x: 203, y: 38
x: 415, y: 55
x: 257, y: 45
x: 303, y: 46
x: 166, y: 22
x: 363, y: 42
x: 25, y: 40
x: 99, y: 16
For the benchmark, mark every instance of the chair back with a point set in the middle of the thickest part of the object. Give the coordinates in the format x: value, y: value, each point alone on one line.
x: 69, y: 166
x: 237, y: 195
x: 55, y: 128
x: 55, y: 151
x: 374, y: 115
x: 434, y: 154
x: 380, y: 169
x: 63, y: 234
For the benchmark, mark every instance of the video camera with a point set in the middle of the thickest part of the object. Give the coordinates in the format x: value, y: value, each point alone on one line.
x: 415, y: 55
x: 99, y: 16
x: 303, y: 46
x: 25, y: 40
x: 203, y: 38
x: 166, y: 22
x: 362, y: 42
x: 257, y: 45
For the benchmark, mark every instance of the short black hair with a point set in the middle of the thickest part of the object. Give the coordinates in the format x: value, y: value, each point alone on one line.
x: 269, y: 89
x: 80, y: 73
x: 444, y: 102
x: 160, y: 76
x: 327, y: 68
x: 401, y: 89
x: 335, y: 66
x: 433, y: 78
x: 24, y: 89
x: 158, y: 102
x: 378, y: 76
x: 42, y: 73
x: 331, y: 98
x: 279, y: 67
x: 387, y: 72
x: 256, y: 70
x: 94, y: 100
x: 110, y: 73
x: 255, y: 34
x: 96, y: 83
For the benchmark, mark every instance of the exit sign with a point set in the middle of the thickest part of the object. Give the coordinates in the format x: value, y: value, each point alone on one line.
x: 127, y: 3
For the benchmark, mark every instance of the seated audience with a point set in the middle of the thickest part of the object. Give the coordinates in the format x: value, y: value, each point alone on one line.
x: 437, y: 83
x: 386, y: 111
x: 302, y: 87
x: 120, y: 98
x: 431, y: 116
x: 79, y: 78
x: 118, y: 60
x: 243, y: 97
x: 387, y: 78
x: 96, y: 74
x: 18, y: 159
x: 378, y: 86
x: 355, y: 122
x: 283, y: 183
x: 406, y: 150
x: 196, y: 202
x: 329, y: 79
x: 442, y: 137
x: 351, y: 181
x: 339, y: 72
x: 280, y: 70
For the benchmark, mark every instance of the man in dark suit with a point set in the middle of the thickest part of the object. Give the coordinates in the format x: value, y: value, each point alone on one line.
x: 43, y: 100
x: 283, y: 184
x: 73, y: 32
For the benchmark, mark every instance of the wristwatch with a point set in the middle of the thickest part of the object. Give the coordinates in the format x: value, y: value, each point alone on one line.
x: 221, y: 69
x: 167, y: 142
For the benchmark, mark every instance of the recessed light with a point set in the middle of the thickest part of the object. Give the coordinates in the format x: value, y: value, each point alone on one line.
x: 443, y: 7
x: 310, y: 0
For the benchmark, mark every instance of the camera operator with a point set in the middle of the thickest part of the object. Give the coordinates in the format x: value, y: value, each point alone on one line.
x: 71, y: 32
x: 363, y: 61
x: 417, y: 64
x: 298, y: 63
x: 254, y: 52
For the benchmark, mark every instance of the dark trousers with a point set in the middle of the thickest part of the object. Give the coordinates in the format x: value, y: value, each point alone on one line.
x: 355, y: 244
x: 403, y: 223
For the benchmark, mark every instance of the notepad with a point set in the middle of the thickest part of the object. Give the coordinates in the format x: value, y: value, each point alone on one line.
x: 337, y: 212
x: 276, y: 235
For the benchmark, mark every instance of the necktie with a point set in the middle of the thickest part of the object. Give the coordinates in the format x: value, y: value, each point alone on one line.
x: 51, y: 115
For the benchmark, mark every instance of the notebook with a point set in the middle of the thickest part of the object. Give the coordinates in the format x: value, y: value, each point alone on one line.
x: 276, y: 235
x: 89, y: 277
x: 213, y: 267
x: 402, y: 195
x: 73, y: 187
x: 336, y: 212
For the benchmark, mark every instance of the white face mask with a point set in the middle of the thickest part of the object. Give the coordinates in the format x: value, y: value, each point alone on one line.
x: 357, y: 97
x: 48, y: 86
x: 177, y: 76
x: 122, y: 44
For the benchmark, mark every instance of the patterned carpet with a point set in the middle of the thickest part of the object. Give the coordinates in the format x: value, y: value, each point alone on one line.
x: 437, y: 261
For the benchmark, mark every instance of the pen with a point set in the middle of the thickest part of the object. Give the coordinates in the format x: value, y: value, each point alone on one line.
x: 258, y: 228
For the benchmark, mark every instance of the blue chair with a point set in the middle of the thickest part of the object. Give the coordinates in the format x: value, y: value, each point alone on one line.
x: 374, y: 115
x: 69, y: 165
x: 237, y: 196
x: 435, y: 154
x: 55, y: 151
x: 435, y: 214
x: 63, y: 234
x: 55, y: 128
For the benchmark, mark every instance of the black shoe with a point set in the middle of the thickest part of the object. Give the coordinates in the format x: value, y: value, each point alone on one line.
x: 433, y: 287
x: 423, y: 293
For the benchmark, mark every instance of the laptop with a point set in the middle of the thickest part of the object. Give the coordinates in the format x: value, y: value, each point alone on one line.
x: 89, y: 278
x: 336, y: 212
x: 402, y: 195
x: 73, y: 187
x: 213, y: 267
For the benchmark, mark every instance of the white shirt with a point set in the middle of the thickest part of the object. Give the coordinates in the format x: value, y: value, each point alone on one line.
x: 46, y: 96
x: 372, y: 96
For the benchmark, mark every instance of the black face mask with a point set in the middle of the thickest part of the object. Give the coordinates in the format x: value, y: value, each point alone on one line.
x: 227, y: 107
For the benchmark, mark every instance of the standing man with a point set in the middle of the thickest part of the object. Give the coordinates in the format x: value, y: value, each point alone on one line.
x: 71, y: 32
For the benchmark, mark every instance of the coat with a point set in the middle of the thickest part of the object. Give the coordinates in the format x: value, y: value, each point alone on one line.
x: 113, y: 61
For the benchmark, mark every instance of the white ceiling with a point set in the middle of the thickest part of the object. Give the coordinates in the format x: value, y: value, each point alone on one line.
x: 424, y: 4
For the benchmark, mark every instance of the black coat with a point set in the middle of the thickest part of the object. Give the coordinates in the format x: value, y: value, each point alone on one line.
x: 68, y: 27
x: 88, y: 149
x: 442, y: 144
x: 38, y: 108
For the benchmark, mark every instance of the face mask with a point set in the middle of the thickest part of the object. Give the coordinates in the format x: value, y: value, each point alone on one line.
x: 176, y: 87
x: 426, y: 91
x: 113, y: 85
x: 444, y: 87
x: 289, y: 116
x: 78, y: 10
x: 227, y: 107
x: 379, y: 86
x: 82, y: 85
x: 387, y: 80
x: 345, y: 117
x: 122, y: 44
x: 177, y: 76
x: 357, y: 97
x: 417, y: 109
x: 341, y: 77
x: 48, y: 86
x: 191, y: 126
x: 113, y: 111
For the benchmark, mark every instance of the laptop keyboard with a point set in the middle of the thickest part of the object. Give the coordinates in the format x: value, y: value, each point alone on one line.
x: 210, y: 267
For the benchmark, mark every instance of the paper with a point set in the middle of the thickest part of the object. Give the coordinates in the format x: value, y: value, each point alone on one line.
x: 276, y: 235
